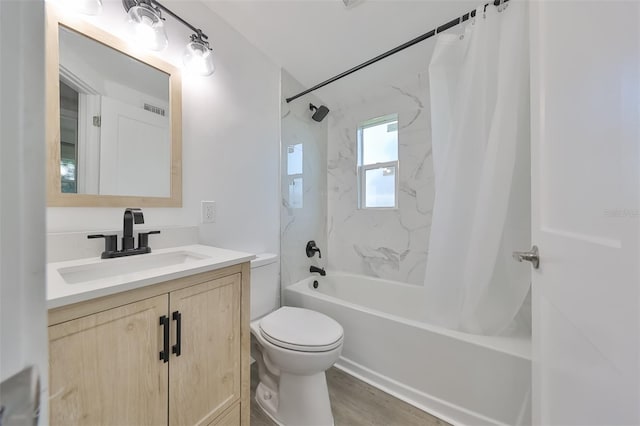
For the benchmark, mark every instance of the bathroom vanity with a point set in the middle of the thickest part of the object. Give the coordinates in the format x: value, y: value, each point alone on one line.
x: 161, y: 338
x: 135, y: 338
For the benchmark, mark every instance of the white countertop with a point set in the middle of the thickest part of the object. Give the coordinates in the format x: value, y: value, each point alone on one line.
x: 60, y: 293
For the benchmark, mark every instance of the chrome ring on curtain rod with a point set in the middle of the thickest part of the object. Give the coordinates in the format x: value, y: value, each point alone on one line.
x: 502, y: 5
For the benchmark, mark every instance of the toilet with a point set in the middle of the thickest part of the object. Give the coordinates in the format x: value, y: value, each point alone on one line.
x: 293, y: 348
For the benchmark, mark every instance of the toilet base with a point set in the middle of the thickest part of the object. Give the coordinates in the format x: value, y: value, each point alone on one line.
x: 301, y: 401
x: 268, y: 402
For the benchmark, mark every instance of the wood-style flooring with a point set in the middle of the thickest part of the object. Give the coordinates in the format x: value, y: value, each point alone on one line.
x: 355, y: 403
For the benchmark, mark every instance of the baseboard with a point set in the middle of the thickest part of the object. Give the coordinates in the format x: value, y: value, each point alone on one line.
x: 444, y: 410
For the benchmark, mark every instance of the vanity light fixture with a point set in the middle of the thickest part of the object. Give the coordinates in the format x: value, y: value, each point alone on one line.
x: 197, y: 56
x: 146, y: 23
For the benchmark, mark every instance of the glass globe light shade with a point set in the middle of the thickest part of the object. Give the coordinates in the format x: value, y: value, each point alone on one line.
x: 146, y: 27
x: 198, y: 58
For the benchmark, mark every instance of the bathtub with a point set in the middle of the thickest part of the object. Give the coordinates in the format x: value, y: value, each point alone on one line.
x: 462, y: 378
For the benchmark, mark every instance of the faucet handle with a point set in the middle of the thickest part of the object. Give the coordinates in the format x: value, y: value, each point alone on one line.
x: 143, y: 239
x: 311, y: 249
x: 110, y: 243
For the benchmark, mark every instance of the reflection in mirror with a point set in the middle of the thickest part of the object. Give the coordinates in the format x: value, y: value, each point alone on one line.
x: 115, y: 130
x: 68, y: 138
x: 295, y: 176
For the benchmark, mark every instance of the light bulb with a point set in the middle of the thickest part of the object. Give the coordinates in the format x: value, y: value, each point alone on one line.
x: 146, y: 27
x: 198, y: 58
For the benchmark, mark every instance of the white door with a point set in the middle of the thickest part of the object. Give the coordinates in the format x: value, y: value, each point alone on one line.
x: 135, y: 151
x: 585, y: 73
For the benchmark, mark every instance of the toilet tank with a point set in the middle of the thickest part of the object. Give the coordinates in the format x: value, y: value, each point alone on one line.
x: 265, y: 284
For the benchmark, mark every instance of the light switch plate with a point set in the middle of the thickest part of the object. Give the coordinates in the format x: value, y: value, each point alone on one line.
x: 208, y: 211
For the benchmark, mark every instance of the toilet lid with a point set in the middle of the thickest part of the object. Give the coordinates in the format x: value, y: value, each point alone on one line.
x: 301, y: 329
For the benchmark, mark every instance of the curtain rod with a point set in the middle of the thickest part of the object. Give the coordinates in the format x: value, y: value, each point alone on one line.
x: 395, y: 50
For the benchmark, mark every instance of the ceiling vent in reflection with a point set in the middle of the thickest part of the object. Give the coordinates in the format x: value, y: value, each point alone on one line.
x: 154, y: 109
x: 351, y: 3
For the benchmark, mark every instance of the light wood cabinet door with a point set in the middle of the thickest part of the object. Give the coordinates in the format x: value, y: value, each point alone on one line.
x: 205, y: 378
x: 230, y: 418
x: 105, y: 368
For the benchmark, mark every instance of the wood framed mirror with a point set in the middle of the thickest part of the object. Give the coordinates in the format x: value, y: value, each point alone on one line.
x: 114, y: 120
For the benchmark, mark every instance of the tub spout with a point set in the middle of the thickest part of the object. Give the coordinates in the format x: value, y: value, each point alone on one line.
x: 321, y: 271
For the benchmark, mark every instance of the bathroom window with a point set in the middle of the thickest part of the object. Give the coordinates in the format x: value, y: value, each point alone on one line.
x: 378, y: 163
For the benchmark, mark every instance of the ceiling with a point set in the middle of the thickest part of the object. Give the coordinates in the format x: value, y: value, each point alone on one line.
x: 317, y: 39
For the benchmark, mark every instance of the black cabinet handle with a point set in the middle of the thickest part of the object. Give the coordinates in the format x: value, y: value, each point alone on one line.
x: 177, y: 316
x: 164, y: 354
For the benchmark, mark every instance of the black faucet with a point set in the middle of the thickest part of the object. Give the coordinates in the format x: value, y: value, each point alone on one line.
x: 311, y: 249
x: 131, y: 216
x: 321, y: 271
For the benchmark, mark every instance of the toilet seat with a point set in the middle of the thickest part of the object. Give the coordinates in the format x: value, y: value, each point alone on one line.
x: 301, y: 330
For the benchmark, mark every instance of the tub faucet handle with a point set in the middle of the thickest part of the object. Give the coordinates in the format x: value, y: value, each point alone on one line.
x: 311, y: 249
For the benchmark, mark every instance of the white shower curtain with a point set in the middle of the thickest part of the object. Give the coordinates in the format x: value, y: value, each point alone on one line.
x: 480, y: 121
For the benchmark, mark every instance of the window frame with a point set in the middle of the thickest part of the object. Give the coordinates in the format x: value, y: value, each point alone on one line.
x: 363, y: 168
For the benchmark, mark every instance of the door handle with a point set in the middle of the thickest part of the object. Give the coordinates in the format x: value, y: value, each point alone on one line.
x: 164, y: 354
x: 528, y: 256
x: 177, y: 317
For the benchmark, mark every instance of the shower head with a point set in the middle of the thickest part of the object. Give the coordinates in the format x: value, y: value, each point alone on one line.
x: 319, y: 113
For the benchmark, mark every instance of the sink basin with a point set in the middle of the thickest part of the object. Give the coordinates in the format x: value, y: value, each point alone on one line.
x: 126, y: 265
x: 79, y: 280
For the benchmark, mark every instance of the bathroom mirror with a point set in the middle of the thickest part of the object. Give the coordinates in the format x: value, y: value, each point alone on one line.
x: 113, y: 120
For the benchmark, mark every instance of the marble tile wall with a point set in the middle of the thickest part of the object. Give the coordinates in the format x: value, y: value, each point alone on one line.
x: 309, y: 222
x: 393, y: 243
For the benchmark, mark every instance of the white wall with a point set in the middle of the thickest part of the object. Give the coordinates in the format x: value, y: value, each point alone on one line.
x: 230, y: 140
x: 23, y: 332
x: 300, y: 225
